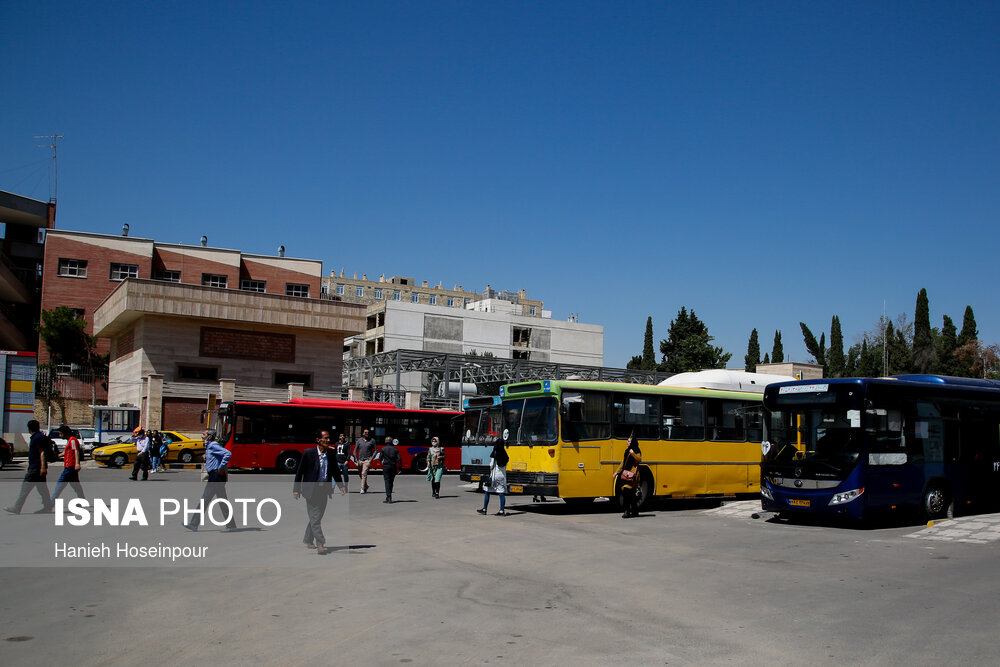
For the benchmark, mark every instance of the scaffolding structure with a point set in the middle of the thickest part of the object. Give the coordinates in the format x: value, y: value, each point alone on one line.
x: 380, y: 375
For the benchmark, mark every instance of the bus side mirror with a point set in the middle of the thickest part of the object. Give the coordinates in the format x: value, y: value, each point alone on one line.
x: 201, y: 417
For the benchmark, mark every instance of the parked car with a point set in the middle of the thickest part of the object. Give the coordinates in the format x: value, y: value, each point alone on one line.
x: 88, y: 438
x: 60, y: 441
x: 6, y: 453
x: 180, y: 449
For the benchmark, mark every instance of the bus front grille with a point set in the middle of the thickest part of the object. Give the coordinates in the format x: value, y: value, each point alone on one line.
x: 548, y: 478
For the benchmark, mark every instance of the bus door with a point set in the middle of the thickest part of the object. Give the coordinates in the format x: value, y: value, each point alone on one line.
x: 895, y: 464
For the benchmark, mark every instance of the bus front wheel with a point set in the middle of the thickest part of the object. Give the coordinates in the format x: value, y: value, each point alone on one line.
x: 287, y: 462
x: 937, y: 502
x: 419, y: 463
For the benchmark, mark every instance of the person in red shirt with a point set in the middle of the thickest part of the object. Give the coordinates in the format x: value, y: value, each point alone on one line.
x: 72, y: 456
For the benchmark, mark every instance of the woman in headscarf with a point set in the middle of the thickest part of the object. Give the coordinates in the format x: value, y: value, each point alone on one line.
x: 435, y: 466
x: 627, y: 477
x: 498, y: 479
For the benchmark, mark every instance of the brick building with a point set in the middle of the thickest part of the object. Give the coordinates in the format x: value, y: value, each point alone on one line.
x: 178, y: 320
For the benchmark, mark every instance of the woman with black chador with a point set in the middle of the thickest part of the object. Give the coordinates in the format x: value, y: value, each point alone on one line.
x: 627, y: 477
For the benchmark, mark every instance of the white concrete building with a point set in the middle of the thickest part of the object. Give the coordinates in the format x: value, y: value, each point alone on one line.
x: 489, y: 326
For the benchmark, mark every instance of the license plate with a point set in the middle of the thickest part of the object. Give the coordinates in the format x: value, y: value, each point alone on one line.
x: 517, y: 489
x: 795, y: 502
x: 476, y: 478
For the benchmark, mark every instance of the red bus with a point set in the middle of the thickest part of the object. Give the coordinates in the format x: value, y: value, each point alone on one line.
x: 274, y: 435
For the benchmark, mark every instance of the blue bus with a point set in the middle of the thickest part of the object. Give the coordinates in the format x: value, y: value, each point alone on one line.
x: 870, y: 447
x: 481, y: 431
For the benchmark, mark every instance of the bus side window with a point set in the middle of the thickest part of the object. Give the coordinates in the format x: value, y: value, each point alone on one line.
x: 683, y: 418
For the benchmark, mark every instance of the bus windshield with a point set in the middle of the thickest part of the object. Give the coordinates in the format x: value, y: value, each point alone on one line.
x: 530, y: 421
x: 482, y: 426
x: 825, y: 436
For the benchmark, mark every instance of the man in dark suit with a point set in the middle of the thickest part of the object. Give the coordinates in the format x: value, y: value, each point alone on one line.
x: 312, y: 481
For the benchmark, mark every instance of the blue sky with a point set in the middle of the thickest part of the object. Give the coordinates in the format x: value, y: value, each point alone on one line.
x: 761, y: 163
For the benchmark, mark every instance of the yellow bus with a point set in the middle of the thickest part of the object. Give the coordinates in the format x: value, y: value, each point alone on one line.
x: 566, y: 438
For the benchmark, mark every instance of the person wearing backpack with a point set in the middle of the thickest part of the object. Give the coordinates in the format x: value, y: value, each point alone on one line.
x: 40, y: 450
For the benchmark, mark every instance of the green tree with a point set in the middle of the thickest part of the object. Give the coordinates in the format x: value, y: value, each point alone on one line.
x: 777, y: 351
x: 969, y: 331
x: 835, y: 362
x: 767, y: 359
x: 924, y: 356
x: 688, y: 347
x: 816, y: 349
x: 752, y: 358
x: 968, y: 340
x: 897, y: 350
x: 947, y: 344
x: 635, y: 363
x: 64, y: 337
x: 648, y: 362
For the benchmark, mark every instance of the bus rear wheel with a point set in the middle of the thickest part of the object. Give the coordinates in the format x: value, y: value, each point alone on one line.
x: 419, y: 463
x: 645, y: 490
x: 937, y: 502
x: 287, y: 462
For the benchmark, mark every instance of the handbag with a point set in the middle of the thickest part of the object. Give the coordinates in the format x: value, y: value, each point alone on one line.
x: 628, y: 476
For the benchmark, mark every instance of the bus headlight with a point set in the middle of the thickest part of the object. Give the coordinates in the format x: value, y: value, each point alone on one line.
x: 846, y: 496
x: 766, y: 492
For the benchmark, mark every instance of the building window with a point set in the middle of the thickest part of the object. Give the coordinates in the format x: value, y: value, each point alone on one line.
x: 198, y: 373
x: 340, y: 290
x: 296, y: 289
x: 78, y: 313
x: 359, y: 291
x: 531, y: 310
x: 395, y: 295
x: 282, y: 379
x: 123, y: 271
x: 73, y: 268
x: 253, y: 285
x: 378, y: 292
x: 415, y: 298
x: 451, y: 301
x: 432, y: 299
x: 214, y: 280
x: 167, y: 276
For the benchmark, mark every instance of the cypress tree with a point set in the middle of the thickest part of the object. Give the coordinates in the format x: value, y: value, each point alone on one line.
x: 753, y: 353
x: 777, y: 350
x: 648, y: 352
x: 969, y: 332
x: 924, y: 354
x: 835, y: 354
x: 817, y: 350
x: 767, y: 359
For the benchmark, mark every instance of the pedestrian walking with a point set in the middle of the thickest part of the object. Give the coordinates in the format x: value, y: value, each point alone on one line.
x: 342, y: 452
x: 364, y: 453
x: 497, y: 483
x: 435, y: 466
x: 216, y: 461
x: 627, y: 477
x: 155, y: 444
x: 39, y: 445
x: 312, y: 482
x: 141, y: 454
x: 72, y: 456
x: 391, y: 464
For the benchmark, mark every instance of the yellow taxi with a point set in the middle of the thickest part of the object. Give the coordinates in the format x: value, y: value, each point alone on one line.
x: 180, y: 449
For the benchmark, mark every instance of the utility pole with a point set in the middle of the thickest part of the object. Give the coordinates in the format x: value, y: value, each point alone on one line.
x: 54, y: 195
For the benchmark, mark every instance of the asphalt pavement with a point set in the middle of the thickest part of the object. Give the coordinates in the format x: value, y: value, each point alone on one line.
x: 430, y: 581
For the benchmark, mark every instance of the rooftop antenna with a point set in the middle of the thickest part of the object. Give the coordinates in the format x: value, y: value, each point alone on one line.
x: 53, y: 193
x: 885, y: 348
